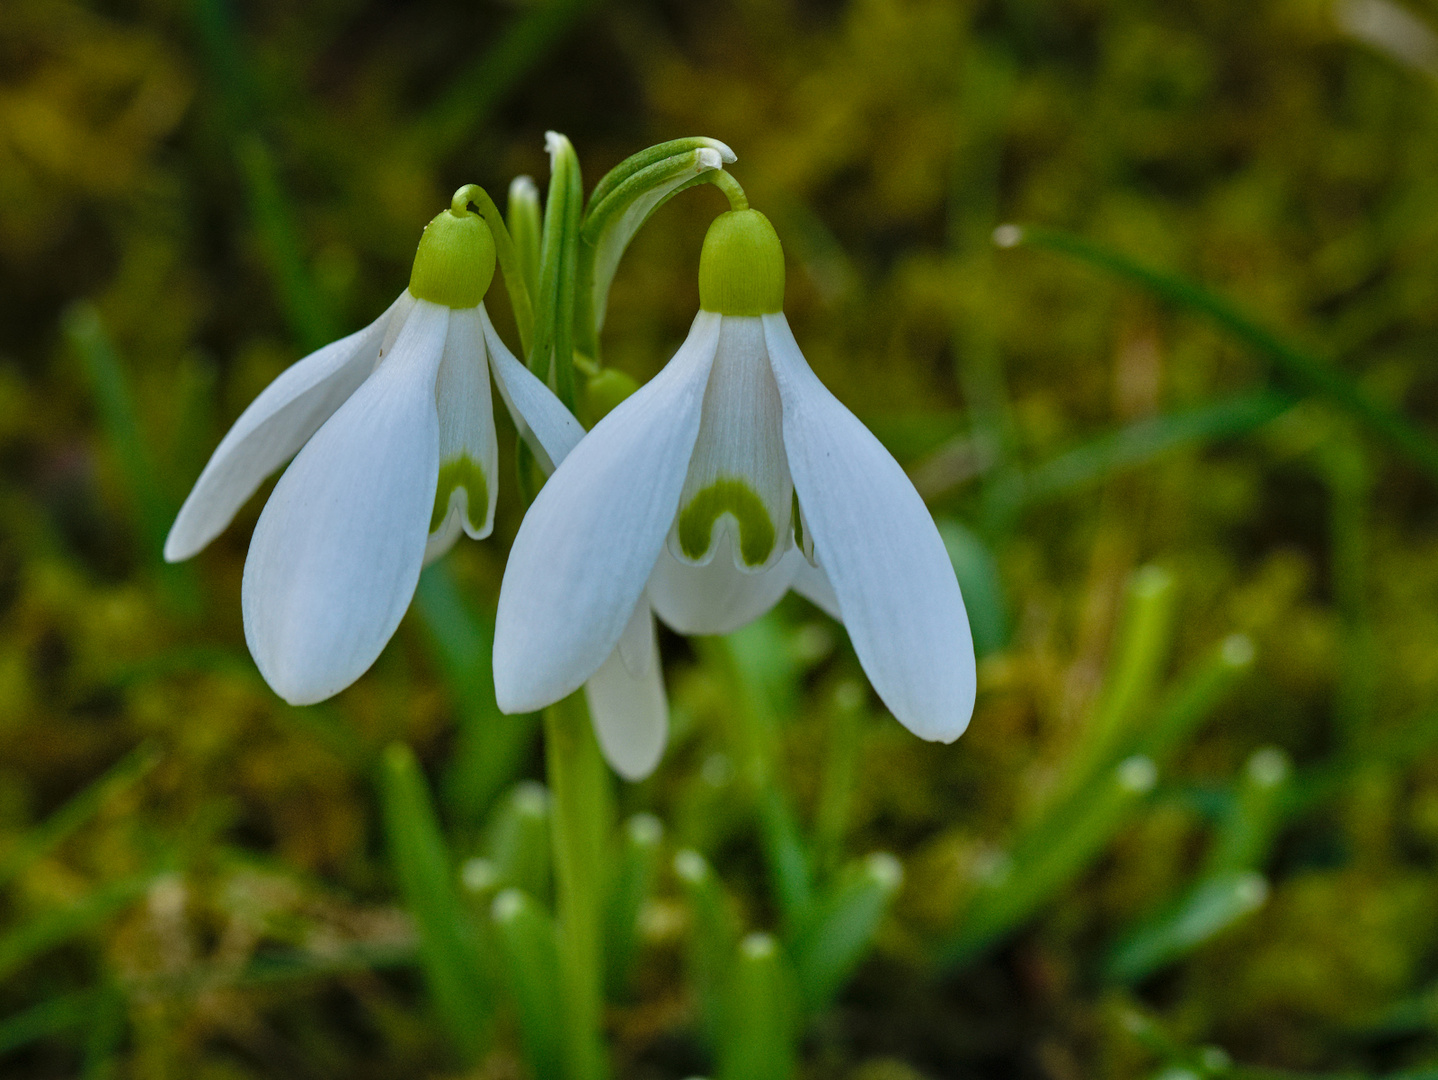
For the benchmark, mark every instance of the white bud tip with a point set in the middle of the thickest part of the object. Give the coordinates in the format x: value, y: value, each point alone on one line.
x: 1214, y: 1057
x: 1251, y: 891
x: 645, y: 829
x: 524, y: 186
x: 1007, y: 236
x: 507, y: 905
x: 1137, y: 774
x: 531, y: 799
x: 690, y: 866
x: 1268, y: 767
x: 993, y: 867
x: 724, y: 151
x: 707, y: 158
x: 885, y: 870
x: 554, y: 144
x: 717, y: 770
x: 1151, y: 581
x: 757, y: 947
x: 1237, y: 650
x: 849, y: 695
x: 478, y: 874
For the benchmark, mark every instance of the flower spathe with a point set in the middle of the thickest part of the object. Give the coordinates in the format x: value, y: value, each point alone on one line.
x: 395, y: 453
x: 729, y: 478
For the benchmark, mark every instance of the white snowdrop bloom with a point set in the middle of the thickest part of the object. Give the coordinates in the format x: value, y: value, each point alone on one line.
x: 729, y: 478
x: 392, y: 433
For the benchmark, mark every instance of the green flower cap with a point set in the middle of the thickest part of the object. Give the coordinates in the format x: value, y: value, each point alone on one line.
x: 455, y: 261
x: 741, y: 270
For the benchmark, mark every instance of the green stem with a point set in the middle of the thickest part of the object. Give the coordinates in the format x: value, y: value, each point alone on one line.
x: 509, y: 261
x: 729, y: 186
x: 580, y: 831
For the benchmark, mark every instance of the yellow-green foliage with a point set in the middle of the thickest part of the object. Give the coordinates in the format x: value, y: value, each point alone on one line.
x: 231, y: 188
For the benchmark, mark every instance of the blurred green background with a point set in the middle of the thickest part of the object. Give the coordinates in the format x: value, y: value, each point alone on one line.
x: 1185, y: 467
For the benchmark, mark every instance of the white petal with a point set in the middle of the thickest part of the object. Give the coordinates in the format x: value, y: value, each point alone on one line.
x: 627, y: 703
x: 589, y: 541
x: 881, y: 551
x: 717, y: 598
x: 272, y: 429
x: 468, y: 448
x: 812, y: 584
x: 541, y: 418
x: 337, y: 552
x: 738, y: 480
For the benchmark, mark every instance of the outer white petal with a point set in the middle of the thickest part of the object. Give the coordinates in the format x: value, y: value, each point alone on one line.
x: 541, y: 418
x: 273, y: 428
x: 589, y: 541
x: 717, y: 598
x: 627, y: 703
x: 741, y: 447
x: 337, y: 552
x: 467, y: 442
x: 881, y: 551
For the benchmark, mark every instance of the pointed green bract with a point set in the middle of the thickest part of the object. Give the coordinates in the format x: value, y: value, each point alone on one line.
x: 727, y: 495
x: 461, y: 472
x: 455, y: 261
x: 741, y: 269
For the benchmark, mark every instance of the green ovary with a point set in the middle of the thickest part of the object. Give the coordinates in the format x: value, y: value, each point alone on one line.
x: 461, y: 472
x: 727, y: 495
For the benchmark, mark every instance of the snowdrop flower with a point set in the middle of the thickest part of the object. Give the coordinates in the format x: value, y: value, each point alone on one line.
x: 397, y: 455
x: 729, y: 478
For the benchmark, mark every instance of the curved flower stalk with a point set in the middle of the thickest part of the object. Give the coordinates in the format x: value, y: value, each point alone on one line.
x: 729, y: 478
x: 395, y: 454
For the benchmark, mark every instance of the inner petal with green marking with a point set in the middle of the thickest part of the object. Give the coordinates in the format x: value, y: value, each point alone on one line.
x: 738, y: 480
x: 461, y: 474
x: 727, y: 495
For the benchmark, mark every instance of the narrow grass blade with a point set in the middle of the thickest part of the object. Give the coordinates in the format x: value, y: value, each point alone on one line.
x: 104, y: 1034
x: 1214, y: 904
x: 759, y: 1036
x: 1257, y: 812
x: 839, y: 933
x: 840, y: 769
x: 44, y: 838
x: 1135, y: 664
x: 453, y: 969
x: 713, y: 939
x: 304, y: 310
x: 1301, y: 369
x: 633, y: 883
x: 1141, y: 442
x: 1048, y: 858
x: 1074, y: 830
x: 119, y: 424
x: 473, y: 95
x: 49, y: 1017
x: 981, y: 584
x: 530, y: 953
x: 51, y: 928
x: 1195, y: 698
x: 520, y: 845
x: 490, y: 747
x: 766, y: 685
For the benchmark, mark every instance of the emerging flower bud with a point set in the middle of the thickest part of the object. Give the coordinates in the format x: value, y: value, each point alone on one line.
x: 455, y: 261
x: 741, y: 269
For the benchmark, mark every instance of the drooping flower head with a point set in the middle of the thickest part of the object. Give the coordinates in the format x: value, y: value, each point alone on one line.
x: 729, y: 478
x: 395, y: 453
